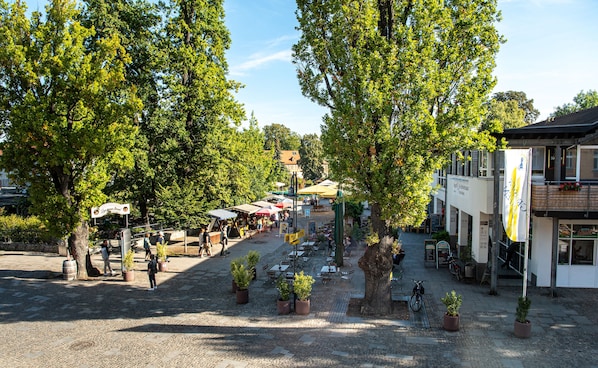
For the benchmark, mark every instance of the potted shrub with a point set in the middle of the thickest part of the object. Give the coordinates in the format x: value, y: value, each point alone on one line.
x: 283, y: 303
x: 452, y: 303
x: 128, y: 263
x: 161, y: 253
x: 302, y: 288
x: 523, y: 327
x: 253, y: 257
x: 234, y: 264
x: 242, y: 278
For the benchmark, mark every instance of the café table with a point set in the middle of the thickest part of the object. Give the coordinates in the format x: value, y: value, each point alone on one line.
x: 279, y: 267
x: 296, y: 253
x: 328, y: 269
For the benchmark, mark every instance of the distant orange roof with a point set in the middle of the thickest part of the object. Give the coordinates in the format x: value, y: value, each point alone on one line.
x: 289, y: 157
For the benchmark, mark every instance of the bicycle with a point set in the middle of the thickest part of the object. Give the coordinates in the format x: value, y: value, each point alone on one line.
x: 417, y: 297
x: 454, y: 267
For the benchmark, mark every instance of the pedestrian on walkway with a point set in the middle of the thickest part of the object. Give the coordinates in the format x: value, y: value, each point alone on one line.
x: 160, y: 239
x: 224, y: 240
x: 146, y: 246
x: 207, y: 244
x: 152, y: 270
x: 510, y: 252
x: 106, y: 258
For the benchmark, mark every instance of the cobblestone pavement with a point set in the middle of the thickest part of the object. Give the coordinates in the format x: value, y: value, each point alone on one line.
x: 193, y: 319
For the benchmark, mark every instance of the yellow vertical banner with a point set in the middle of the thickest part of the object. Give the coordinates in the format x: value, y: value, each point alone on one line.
x: 515, y: 193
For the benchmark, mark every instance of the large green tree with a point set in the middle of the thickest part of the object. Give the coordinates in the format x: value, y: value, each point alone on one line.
x: 405, y: 83
x: 581, y: 101
x: 68, y: 117
x: 199, y: 113
x: 280, y: 137
x: 137, y: 25
x: 525, y: 104
x: 311, y: 152
x: 503, y: 115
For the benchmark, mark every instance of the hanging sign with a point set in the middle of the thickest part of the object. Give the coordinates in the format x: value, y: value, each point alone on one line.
x: 108, y: 208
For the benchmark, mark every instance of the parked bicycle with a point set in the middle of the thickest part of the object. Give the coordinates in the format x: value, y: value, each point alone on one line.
x: 417, y: 297
x: 454, y: 266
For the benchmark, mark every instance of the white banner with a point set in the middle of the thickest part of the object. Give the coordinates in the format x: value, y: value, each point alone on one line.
x: 515, y: 193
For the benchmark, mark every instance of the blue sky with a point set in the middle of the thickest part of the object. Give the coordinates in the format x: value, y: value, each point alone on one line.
x: 551, y: 54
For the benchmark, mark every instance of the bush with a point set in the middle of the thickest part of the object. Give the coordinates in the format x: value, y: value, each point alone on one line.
x: 452, y: 302
x: 523, y: 306
x: 302, y: 285
x: 30, y: 229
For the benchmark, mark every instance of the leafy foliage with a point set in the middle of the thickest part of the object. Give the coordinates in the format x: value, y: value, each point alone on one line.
x: 68, y: 117
x: 312, y: 157
x: 523, y: 103
x: 280, y: 137
x: 583, y: 100
x: 303, y: 285
x: 523, y: 306
x: 405, y: 84
x: 452, y: 302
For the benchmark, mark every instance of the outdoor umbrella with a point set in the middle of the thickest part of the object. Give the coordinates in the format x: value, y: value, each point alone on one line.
x: 267, y: 211
x: 284, y: 203
x: 319, y: 190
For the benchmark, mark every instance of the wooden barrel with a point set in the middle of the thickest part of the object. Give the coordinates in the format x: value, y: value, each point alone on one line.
x: 69, y: 269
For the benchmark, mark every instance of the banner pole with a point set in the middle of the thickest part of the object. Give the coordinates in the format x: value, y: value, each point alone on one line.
x: 528, y: 220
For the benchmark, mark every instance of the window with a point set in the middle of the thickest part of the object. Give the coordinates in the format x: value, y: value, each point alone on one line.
x: 577, y: 244
x: 538, y: 161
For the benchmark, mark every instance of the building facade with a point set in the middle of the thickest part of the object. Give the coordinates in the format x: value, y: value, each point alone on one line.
x: 564, y: 201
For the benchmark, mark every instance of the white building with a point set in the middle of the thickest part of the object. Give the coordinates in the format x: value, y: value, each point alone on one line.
x: 564, y: 217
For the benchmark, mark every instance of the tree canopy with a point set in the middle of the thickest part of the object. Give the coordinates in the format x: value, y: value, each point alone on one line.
x: 68, y: 117
x: 405, y: 83
x: 312, y: 157
x: 281, y: 138
x: 525, y: 104
x: 581, y: 101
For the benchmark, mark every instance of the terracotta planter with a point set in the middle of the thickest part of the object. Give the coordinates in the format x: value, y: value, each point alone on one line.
x: 523, y: 330
x: 129, y: 276
x: 302, y: 307
x: 242, y: 296
x: 451, y: 323
x: 162, y: 266
x: 283, y: 306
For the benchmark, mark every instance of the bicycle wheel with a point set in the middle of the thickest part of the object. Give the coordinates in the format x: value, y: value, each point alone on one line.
x: 451, y: 267
x: 415, y: 303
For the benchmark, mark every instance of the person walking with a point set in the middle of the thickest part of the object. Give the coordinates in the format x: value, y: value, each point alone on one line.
x: 152, y: 270
x: 207, y: 243
x: 224, y: 240
x: 106, y: 258
x: 510, y: 252
x: 146, y: 246
x: 160, y: 239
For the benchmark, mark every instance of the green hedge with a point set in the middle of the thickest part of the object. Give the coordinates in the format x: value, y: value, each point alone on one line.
x: 14, y: 228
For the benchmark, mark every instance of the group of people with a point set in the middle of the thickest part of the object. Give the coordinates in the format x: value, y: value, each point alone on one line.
x: 152, y: 266
x: 206, y: 242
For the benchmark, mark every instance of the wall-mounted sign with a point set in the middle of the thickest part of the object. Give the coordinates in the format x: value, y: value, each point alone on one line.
x: 107, y: 208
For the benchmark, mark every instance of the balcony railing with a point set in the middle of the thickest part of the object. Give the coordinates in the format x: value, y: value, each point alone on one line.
x: 560, y: 197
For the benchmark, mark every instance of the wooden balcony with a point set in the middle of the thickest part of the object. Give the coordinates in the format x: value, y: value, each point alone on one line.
x: 551, y: 198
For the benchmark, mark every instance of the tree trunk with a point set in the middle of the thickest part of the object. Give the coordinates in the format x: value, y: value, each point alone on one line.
x: 376, y: 264
x: 78, y: 244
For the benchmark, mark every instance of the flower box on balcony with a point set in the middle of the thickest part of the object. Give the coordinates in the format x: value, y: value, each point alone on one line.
x: 568, y: 187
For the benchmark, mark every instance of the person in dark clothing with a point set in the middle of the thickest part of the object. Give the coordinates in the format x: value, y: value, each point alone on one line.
x: 146, y: 246
x: 207, y: 243
x: 152, y: 270
x: 510, y: 252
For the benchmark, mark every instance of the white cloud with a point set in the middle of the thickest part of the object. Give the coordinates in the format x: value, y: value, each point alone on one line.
x: 258, y: 60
